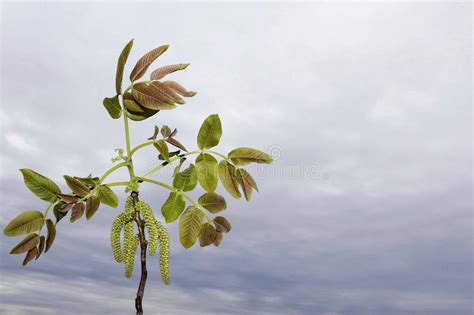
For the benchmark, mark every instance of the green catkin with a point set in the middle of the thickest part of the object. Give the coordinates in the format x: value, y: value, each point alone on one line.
x: 149, y: 220
x: 115, y: 237
x: 130, y: 260
x: 164, y: 252
x: 129, y: 241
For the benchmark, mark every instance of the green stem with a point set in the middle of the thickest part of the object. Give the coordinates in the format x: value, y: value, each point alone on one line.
x: 111, y: 170
x: 45, y: 213
x: 119, y: 184
x: 138, y: 147
x: 171, y: 160
x: 185, y: 196
x: 127, y: 140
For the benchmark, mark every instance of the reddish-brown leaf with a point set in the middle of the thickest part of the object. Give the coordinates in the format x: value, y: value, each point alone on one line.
x: 41, y: 245
x: 164, y: 71
x: 77, y: 212
x: 175, y: 86
x: 148, y: 97
x: 30, y: 255
x: 165, y: 93
x: 176, y: 143
x: 145, y: 61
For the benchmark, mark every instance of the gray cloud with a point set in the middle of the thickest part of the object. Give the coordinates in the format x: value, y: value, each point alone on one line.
x: 367, y: 108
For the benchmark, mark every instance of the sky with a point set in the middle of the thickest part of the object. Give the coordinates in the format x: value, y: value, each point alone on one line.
x: 366, y: 108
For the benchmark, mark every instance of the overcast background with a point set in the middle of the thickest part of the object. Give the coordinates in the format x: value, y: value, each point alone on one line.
x: 366, y: 108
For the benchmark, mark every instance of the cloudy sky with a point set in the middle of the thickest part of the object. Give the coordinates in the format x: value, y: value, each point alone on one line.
x: 366, y: 107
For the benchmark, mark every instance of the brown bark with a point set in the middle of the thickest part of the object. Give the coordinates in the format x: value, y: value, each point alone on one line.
x: 143, y: 247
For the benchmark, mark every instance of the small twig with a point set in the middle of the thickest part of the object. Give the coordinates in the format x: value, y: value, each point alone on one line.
x: 143, y: 247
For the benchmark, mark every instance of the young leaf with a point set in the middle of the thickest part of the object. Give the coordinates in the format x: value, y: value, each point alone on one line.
x: 145, y: 61
x: 189, y: 226
x: 24, y: 223
x: 222, y: 225
x: 107, y: 196
x: 207, y: 235
x: 120, y: 66
x: 32, y: 253
x: 162, y: 147
x: 149, y: 97
x: 165, y: 131
x: 41, y: 245
x: 210, y: 132
x: 43, y: 187
x: 176, y: 143
x: 186, y: 180
x: 164, y: 71
x: 135, y: 111
x: 59, y: 208
x: 175, y: 86
x: 67, y: 198
x: 112, y: 105
x: 207, y: 171
x: 92, y: 205
x: 247, y: 183
x: 88, y: 181
x: 244, y: 156
x: 165, y: 93
x: 77, y: 212
x: 229, y: 179
x: 173, y: 207
x: 26, y: 244
x: 51, y: 234
x: 213, y: 202
x: 155, y: 133
x: 218, y: 239
x: 76, y: 186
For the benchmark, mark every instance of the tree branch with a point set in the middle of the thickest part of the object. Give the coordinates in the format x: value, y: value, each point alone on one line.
x: 143, y: 247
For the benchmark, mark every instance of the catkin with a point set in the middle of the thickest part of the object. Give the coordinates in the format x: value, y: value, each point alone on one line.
x: 164, y: 252
x: 115, y: 237
x: 149, y: 220
x: 129, y: 240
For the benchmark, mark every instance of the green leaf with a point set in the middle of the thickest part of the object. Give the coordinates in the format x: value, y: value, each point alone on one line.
x: 92, y: 205
x: 120, y: 66
x: 189, y: 226
x: 26, y: 244
x: 162, y: 147
x: 51, y: 234
x: 77, y: 212
x: 32, y: 253
x: 59, y: 210
x: 207, y: 234
x: 229, y: 179
x: 25, y: 223
x: 43, y: 187
x: 88, y: 181
x: 112, y: 105
x: 173, y: 207
x: 210, y: 132
x: 107, y: 196
x: 145, y: 61
x: 247, y: 183
x: 186, y: 180
x: 244, y: 156
x: 213, y: 202
x: 207, y: 172
x: 222, y: 225
x: 76, y: 186
x: 41, y: 245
